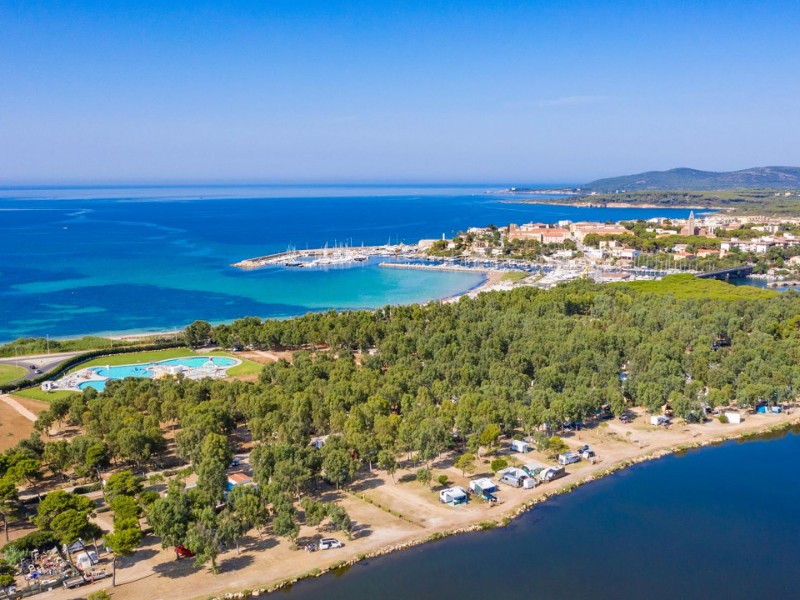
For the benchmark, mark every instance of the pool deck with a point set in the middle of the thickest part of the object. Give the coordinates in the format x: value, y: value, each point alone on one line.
x: 157, y: 370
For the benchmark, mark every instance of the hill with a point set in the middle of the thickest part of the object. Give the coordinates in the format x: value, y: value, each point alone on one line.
x: 691, y: 179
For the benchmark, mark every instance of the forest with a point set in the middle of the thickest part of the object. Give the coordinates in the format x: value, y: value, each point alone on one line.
x: 402, y: 380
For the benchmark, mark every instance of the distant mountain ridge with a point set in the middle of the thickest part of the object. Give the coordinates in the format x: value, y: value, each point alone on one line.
x: 693, y: 179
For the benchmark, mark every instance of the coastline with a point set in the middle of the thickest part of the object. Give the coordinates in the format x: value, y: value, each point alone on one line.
x: 393, y: 527
x: 595, y: 475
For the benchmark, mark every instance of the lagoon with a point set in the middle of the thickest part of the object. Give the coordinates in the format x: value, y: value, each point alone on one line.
x: 77, y: 260
x: 718, y: 522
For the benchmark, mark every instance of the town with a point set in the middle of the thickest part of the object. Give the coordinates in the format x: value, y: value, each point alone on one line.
x: 722, y: 245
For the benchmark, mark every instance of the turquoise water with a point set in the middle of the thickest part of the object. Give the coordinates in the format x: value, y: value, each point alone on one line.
x: 123, y: 371
x: 195, y: 362
x: 144, y: 371
x: 101, y: 260
x: 98, y: 385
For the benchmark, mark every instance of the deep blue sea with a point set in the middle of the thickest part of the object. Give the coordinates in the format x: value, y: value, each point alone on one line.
x: 133, y: 259
x: 719, y: 522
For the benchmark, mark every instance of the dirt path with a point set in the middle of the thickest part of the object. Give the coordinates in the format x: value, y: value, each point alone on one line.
x: 16, y: 419
x: 18, y: 407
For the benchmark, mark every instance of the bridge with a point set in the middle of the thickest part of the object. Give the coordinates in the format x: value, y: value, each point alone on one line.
x: 726, y: 274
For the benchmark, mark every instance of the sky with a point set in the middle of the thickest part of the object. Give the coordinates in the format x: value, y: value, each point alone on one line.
x: 357, y: 91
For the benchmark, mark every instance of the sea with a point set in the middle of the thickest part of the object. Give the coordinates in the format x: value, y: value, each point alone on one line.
x: 716, y: 522
x: 121, y: 260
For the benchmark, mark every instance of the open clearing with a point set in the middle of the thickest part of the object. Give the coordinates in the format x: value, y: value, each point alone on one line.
x: 15, y: 426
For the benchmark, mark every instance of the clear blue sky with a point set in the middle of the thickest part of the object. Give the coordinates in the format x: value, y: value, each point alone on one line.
x: 380, y: 90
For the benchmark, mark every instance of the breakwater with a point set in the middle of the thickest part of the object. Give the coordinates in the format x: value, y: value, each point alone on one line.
x: 314, y: 257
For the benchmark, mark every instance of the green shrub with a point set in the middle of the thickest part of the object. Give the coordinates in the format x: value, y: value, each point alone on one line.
x: 37, y: 540
x: 498, y: 464
x: 86, y: 489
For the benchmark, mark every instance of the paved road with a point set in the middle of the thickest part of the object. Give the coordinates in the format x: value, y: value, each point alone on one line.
x: 42, y: 362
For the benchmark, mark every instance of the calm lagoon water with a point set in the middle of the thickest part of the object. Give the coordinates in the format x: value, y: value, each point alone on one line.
x: 719, y: 522
x: 99, y: 260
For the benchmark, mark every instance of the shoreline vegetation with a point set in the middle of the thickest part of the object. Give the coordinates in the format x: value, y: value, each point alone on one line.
x: 596, y: 474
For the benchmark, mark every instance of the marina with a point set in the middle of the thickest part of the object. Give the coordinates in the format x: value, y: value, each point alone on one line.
x: 325, y: 257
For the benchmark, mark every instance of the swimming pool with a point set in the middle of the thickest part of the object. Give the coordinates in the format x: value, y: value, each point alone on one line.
x: 193, y: 367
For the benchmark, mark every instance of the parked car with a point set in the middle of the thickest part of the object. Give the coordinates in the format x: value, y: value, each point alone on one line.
x: 625, y: 419
x: 235, y: 462
x: 328, y: 543
x: 182, y: 551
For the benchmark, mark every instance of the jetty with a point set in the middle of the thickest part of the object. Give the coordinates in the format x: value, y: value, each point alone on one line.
x: 320, y: 257
x: 439, y: 267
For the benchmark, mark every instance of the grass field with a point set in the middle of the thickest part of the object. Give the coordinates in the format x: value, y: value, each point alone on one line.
x: 36, y: 393
x: 132, y: 358
x: 514, y: 276
x: 689, y: 286
x: 248, y: 367
x: 9, y: 373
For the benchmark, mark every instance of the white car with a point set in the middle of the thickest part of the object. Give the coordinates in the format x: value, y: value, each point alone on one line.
x: 328, y: 543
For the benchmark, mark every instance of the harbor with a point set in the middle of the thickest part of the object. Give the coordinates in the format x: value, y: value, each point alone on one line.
x: 325, y: 257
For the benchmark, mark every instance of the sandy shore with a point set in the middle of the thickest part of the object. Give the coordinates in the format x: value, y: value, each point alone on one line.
x: 391, y: 516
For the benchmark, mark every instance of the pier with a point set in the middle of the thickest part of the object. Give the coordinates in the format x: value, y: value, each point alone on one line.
x: 442, y: 267
x: 317, y: 257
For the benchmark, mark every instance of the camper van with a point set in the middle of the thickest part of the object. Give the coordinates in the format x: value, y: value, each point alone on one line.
x: 568, y: 458
x: 516, y: 478
x: 519, y: 446
x: 85, y: 560
x: 551, y: 473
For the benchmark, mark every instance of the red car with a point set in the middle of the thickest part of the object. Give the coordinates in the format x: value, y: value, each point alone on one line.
x: 182, y: 551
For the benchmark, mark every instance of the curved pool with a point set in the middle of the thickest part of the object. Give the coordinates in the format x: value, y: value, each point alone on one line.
x: 190, y: 365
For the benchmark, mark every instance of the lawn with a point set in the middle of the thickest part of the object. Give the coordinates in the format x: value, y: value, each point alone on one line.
x: 133, y: 358
x: 36, y: 393
x: 248, y: 367
x: 9, y: 373
x: 689, y: 286
x: 514, y: 276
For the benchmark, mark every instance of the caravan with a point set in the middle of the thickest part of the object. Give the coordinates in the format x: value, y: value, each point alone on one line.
x: 453, y: 496
x: 520, y: 446
x: 568, y: 458
x: 551, y: 473
x: 516, y: 478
